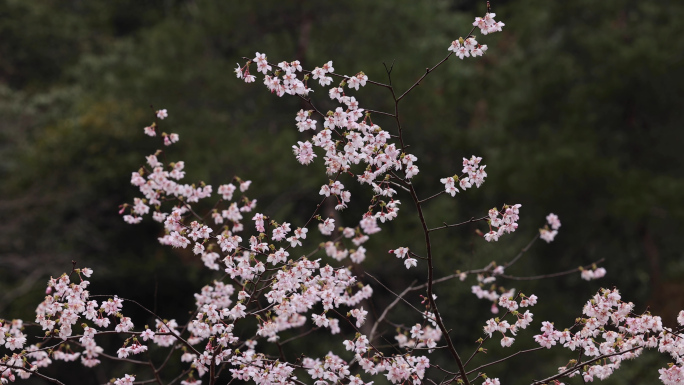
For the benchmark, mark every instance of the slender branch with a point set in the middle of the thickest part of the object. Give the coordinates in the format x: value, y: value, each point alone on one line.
x: 552, y: 275
x: 432, y: 197
x: 505, y: 358
x: 482, y: 340
x: 430, y: 295
x: 299, y: 336
x: 370, y: 343
x: 428, y: 70
x: 395, y: 294
x: 184, y: 342
x: 136, y: 362
x: 579, y: 365
x: 398, y: 185
x: 389, y: 72
x: 388, y: 308
x: 308, y: 100
x: 523, y: 251
x: 379, y: 112
x: 183, y: 374
x: 166, y: 360
x: 473, y: 219
x: 444, y: 370
x: 50, y: 379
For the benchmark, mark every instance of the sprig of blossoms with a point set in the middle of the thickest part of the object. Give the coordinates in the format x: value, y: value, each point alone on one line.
x: 487, y: 24
x: 420, y: 336
x: 469, y: 46
x: 502, y: 326
x: 401, y: 253
x: 506, y: 223
x: 473, y: 174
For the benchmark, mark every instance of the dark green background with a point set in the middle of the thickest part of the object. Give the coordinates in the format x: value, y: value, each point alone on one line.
x: 576, y: 110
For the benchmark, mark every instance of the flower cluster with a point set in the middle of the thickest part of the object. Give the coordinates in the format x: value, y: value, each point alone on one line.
x: 487, y: 24
x: 502, y: 326
x: 420, y: 336
x: 67, y: 304
x: 594, y: 273
x: 473, y: 174
x: 507, y: 223
x: 611, y: 330
x: 347, y: 137
x: 401, y: 253
x: 549, y: 234
x: 469, y: 46
x: 11, y: 334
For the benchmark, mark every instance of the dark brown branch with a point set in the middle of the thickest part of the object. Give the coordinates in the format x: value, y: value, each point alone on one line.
x: 430, y: 295
x: 432, y: 197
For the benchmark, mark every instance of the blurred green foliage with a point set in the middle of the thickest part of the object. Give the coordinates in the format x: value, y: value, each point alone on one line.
x: 575, y: 110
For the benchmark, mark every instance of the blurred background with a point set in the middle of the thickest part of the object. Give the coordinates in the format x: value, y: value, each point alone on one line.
x: 575, y: 109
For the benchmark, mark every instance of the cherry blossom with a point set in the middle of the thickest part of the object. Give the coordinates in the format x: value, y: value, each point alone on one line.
x: 265, y: 289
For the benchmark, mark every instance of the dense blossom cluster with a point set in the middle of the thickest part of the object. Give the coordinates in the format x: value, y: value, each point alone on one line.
x: 523, y: 320
x: 612, y: 330
x: 505, y: 221
x: 268, y: 289
x: 467, y: 47
x: 66, y: 306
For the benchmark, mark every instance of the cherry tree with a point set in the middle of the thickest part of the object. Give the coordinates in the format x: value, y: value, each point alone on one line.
x: 273, y: 282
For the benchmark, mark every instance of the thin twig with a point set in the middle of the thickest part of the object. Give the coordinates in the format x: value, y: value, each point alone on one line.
x: 50, y: 379
x: 579, y: 365
x: 471, y: 220
x: 388, y: 308
x: 505, y: 358
x: 395, y: 294
x: 427, y: 71
x: 523, y: 251
x: 184, y: 342
x: 552, y: 275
